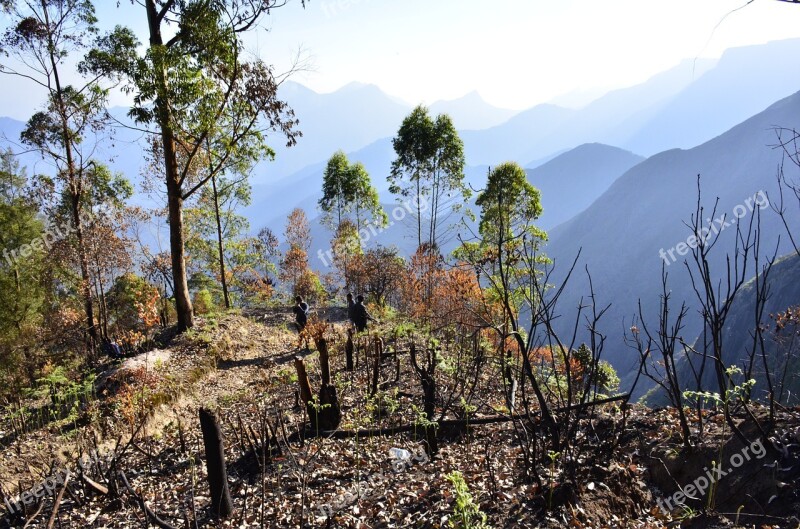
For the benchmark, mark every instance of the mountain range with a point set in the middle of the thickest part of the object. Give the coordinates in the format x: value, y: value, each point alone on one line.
x: 619, y: 176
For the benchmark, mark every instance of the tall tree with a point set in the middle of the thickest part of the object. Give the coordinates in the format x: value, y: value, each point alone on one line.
x: 41, y: 37
x: 216, y: 233
x: 430, y: 166
x: 347, y: 188
x: 366, y: 201
x: 193, y: 87
x: 338, y: 191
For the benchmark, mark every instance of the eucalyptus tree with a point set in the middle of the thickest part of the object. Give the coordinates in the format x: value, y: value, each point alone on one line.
x: 508, y: 262
x: 193, y: 88
x: 338, y: 190
x: 347, y: 188
x: 366, y: 202
x: 40, y: 44
x: 429, y: 167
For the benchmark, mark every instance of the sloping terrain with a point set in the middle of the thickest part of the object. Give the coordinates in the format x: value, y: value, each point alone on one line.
x: 241, y: 368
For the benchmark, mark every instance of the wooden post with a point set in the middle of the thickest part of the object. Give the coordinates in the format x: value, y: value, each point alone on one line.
x: 348, y: 351
x: 221, y: 503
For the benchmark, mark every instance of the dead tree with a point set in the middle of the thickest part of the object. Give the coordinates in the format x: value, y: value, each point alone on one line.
x: 376, y: 365
x: 221, y: 503
x: 328, y: 413
x: 324, y: 412
x: 510, y: 381
x: 427, y: 379
x: 658, y: 349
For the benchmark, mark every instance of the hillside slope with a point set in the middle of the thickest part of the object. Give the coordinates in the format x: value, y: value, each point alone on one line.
x: 624, y: 233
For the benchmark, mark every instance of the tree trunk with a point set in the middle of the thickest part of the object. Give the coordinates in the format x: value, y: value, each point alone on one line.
x: 428, y: 381
x: 221, y: 503
x: 86, y: 288
x: 376, y: 366
x: 511, y: 383
x: 223, y: 279
x: 183, y: 303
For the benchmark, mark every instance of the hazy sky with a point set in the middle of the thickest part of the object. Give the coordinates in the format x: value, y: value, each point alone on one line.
x: 515, y: 53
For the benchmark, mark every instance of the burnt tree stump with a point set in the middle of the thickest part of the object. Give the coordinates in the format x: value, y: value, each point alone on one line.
x: 221, y: 503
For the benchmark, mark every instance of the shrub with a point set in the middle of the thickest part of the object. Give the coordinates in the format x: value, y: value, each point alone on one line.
x: 203, y: 302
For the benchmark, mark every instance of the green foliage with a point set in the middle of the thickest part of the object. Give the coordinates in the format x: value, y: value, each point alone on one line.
x: 24, y: 281
x: 202, y: 237
x: 212, y: 108
x: 347, y: 188
x: 65, y: 394
x: 466, y: 513
x: 509, y: 205
x: 429, y: 167
x: 338, y: 191
x: 366, y: 201
x: 310, y: 287
x: 203, y: 302
x: 507, y: 253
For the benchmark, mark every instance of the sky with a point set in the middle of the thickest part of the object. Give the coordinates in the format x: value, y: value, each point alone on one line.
x: 515, y: 53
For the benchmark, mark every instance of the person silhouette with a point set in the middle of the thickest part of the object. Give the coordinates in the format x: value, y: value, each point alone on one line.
x: 300, y: 311
x: 361, y: 315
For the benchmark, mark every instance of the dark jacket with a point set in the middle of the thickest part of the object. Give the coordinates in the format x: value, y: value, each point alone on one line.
x: 361, y: 316
x: 301, y: 314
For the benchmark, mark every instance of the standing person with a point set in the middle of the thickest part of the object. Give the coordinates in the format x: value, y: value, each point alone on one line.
x: 351, y: 308
x: 300, y: 313
x: 361, y: 315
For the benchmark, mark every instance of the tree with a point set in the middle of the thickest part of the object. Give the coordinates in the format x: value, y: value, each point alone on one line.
x: 366, y: 200
x: 338, y: 191
x: 506, y: 257
x: 348, y: 188
x: 298, y: 237
x: 23, y: 285
x: 197, y: 94
x: 382, y: 270
x: 217, y: 234
x: 509, y: 205
x: 42, y: 36
x: 430, y: 163
x: 345, y: 250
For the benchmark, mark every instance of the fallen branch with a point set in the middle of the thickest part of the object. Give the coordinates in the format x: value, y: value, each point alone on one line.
x: 150, y: 514
x: 450, y: 423
x: 60, y: 496
x: 95, y: 486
